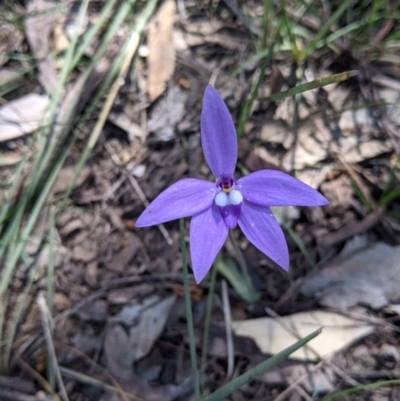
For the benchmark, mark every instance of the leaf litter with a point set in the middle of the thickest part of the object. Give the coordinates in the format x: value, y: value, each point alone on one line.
x: 105, y: 267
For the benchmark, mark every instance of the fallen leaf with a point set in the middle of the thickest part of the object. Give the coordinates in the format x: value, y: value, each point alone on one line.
x: 317, y: 380
x: 11, y: 38
x: 61, y: 301
x: 273, y: 335
x: 65, y: 177
x: 161, y: 58
x: 370, y: 276
x: 23, y: 116
x: 43, y: 16
x: 167, y: 114
x: 131, y: 334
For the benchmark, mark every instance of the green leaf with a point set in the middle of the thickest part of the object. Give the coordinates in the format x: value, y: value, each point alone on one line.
x: 360, y: 388
x: 229, y: 388
x: 228, y: 269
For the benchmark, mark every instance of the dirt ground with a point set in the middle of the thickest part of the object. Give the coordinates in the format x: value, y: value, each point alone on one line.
x: 119, y: 325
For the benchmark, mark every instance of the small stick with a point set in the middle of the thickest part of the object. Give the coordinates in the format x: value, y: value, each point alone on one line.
x: 352, y: 229
x: 47, y: 324
x: 295, y: 384
x: 94, y: 382
x: 228, y: 328
x: 9, y: 395
x: 359, y: 183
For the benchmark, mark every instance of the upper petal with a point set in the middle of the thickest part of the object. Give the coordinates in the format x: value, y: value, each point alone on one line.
x: 208, y: 233
x: 218, y: 135
x: 263, y: 231
x: 275, y: 188
x: 182, y: 199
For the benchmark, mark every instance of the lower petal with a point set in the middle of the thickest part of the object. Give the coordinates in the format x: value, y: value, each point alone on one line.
x: 264, y: 232
x: 230, y: 214
x: 208, y: 233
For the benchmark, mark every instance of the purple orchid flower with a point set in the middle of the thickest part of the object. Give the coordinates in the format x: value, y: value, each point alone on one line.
x: 218, y: 206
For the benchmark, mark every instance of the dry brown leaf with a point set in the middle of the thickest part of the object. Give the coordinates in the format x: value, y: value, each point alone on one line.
x: 38, y: 27
x: 131, y: 333
x: 65, y: 177
x: 22, y: 116
x: 10, y: 39
x: 273, y: 335
x: 161, y: 59
x: 369, y: 277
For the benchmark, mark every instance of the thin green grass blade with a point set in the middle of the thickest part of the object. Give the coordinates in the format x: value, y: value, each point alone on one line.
x: 246, y: 109
x: 292, y: 38
x: 228, y: 269
x: 357, y: 389
x: 21, y: 303
x: 37, y: 169
x: 12, y: 238
x: 28, y: 227
x: 229, y: 388
x: 317, y: 83
x: 189, y: 316
x: 50, y: 288
x: 92, y: 31
x: 16, y: 180
x: 110, y: 77
x: 297, y: 240
x: 391, y: 196
x: 45, y: 148
x: 325, y: 29
x: 16, y: 250
x: 207, y: 322
x: 113, y: 27
x: 345, y: 31
x: 359, y: 194
x: 393, y: 213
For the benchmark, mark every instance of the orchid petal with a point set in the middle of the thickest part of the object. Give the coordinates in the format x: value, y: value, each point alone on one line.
x: 185, y: 198
x: 275, y: 188
x: 263, y: 231
x: 218, y: 135
x: 230, y: 214
x: 208, y: 233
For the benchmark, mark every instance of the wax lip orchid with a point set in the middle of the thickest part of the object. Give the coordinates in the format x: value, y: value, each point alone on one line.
x: 217, y: 206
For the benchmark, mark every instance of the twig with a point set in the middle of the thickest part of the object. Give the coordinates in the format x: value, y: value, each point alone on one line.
x: 352, y: 229
x: 36, y: 375
x: 295, y: 384
x: 46, y: 322
x: 89, y: 360
x: 228, y: 329
x: 359, y: 183
x: 132, y: 180
x: 8, y: 395
x: 94, y: 382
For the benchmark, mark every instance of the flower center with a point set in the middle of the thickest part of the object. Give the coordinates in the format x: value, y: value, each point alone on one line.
x: 228, y: 199
x: 226, y: 182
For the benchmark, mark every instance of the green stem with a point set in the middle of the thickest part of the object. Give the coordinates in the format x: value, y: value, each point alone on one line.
x: 189, y: 316
x: 207, y: 322
x: 240, y: 257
